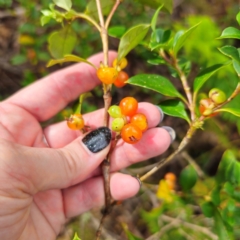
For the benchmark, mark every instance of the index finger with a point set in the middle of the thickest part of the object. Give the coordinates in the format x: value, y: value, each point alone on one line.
x: 48, y: 96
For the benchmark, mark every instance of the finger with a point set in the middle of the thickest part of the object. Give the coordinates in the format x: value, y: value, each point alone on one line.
x: 59, y: 135
x: 39, y: 169
x: 45, y: 98
x: 90, y: 194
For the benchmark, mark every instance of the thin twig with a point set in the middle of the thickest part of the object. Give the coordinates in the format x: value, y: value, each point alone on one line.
x: 181, y: 146
x: 88, y: 18
x: 111, y: 13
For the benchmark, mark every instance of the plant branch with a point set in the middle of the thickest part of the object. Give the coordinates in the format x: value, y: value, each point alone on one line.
x: 111, y: 13
x: 88, y: 18
x: 181, y: 146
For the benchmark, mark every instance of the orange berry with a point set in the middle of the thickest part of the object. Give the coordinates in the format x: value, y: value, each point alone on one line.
x: 121, y: 79
x: 170, y: 176
x: 140, y: 120
x: 75, y: 122
x: 131, y: 133
x: 107, y: 74
x: 128, y: 106
x: 121, y: 63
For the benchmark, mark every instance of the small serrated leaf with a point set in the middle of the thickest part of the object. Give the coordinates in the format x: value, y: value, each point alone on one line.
x: 230, y: 32
x: 174, y: 108
x: 156, y: 83
x: 65, y: 4
x: 69, y: 58
x: 131, y: 39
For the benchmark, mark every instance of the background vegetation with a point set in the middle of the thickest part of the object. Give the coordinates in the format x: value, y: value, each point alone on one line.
x: 185, y: 213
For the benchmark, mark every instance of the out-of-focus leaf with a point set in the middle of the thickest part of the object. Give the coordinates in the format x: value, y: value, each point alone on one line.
x: 215, y: 195
x: 228, y: 214
x: 236, y: 66
x: 230, y: 32
x: 188, y: 178
x: 65, y: 4
x: 62, y: 42
x: 229, y: 168
x: 219, y: 226
x: 154, y: 18
x: 131, y: 39
x: 25, y: 39
x: 156, y: 61
x: 45, y: 19
x: 164, y: 192
x: 156, y: 83
x: 181, y: 37
x: 208, y: 209
x: 234, y: 111
x: 82, y: 97
x: 130, y: 235
x: 175, y: 108
x: 231, y: 52
x: 228, y: 188
x: 116, y: 31
x: 76, y: 237
x: 18, y: 59
x: 106, y: 6
x: 238, y: 18
x: 205, y: 75
x: 167, y: 4
x: 69, y: 58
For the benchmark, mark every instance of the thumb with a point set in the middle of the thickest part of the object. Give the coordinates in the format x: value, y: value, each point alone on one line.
x: 48, y: 168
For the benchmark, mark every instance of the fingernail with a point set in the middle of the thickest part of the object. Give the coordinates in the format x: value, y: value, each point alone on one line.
x: 171, y: 132
x: 161, y: 113
x: 98, y: 139
x: 139, y: 181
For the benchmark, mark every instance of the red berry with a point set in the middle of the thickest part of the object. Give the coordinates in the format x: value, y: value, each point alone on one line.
x: 75, y: 122
x: 140, y: 120
x: 128, y: 106
x: 121, y: 79
x: 130, y: 133
x: 107, y: 74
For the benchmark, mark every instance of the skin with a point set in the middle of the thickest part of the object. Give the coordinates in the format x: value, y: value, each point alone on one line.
x: 48, y: 175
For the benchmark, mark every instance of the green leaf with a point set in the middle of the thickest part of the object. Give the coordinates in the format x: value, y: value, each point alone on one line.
x: 65, y: 4
x: 159, y: 38
x: 236, y: 66
x: 229, y: 168
x: 175, y: 108
x: 156, y: 83
x: 131, y: 39
x: 106, y: 6
x: 154, y: 18
x: 116, y: 31
x: 156, y: 61
x: 215, y: 195
x: 219, y: 226
x: 62, y: 42
x: 82, y: 97
x: 180, y: 38
x: 238, y: 18
x: 188, y: 178
x: 204, y: 75
x: 230, y: 51
x: 130, y: 236
x: 228, y: 188
x: 69, y: 58
x: 45, y: 19
x: 208, y: 209
x: 234, y: 111
x: 230, y: 32
x: 168, y: 4
x: 76, y: 237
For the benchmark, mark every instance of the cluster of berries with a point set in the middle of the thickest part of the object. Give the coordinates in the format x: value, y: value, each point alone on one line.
x: 127, y: 121
x: 215, y: 98
x: 114, y: 75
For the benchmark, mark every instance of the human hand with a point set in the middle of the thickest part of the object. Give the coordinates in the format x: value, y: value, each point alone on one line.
x: 49, y: 175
